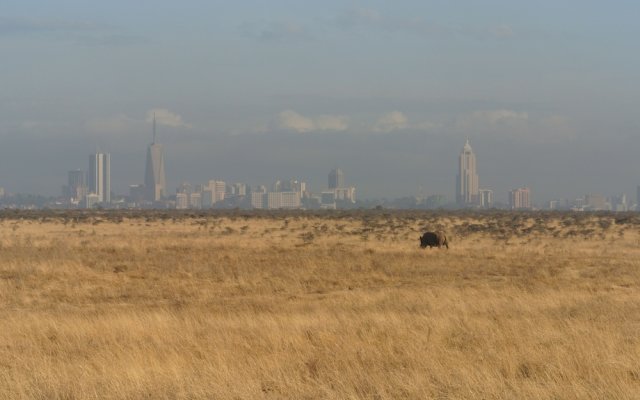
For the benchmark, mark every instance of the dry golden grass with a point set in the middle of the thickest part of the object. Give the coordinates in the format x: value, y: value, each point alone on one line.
x: 347, y: 306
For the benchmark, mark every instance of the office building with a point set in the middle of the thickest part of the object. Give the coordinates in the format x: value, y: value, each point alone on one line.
x: 258, y: 200
x: 283, y: 200
x: 182, y: 201
x: 91, y: 200
x: 486, y: 198
x: 99, y: 181
x: 336, y: 179
x: 212, y: 193
x: 290, y: 185
x: 345, y: 194
x: 195, y: 200
x: 467, y: 178
x: 338, y: 189
x: 239, y: 189
x: 520, y: 199
x: 328, y: 199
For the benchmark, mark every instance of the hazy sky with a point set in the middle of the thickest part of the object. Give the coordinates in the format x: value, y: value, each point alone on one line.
x: 547, y: 91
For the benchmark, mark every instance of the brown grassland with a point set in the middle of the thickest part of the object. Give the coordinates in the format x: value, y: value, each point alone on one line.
x: 342, y: 305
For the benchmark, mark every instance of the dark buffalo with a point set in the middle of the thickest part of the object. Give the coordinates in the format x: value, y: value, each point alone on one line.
x: 434, y: 239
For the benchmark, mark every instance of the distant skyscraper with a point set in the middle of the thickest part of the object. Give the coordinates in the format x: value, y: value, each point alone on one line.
x: 213, y: 192
x: 154, y: 179
x: 336, y: 179
x: 486, y: 198
x: 100, y: 176
x: 520, y: 199
x: 467, y: 179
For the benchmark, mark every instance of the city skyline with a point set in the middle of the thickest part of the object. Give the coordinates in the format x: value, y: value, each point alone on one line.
x: 296, y: 194
x: 87, y: 190
x: 95, y: 189
x: 546, y: 92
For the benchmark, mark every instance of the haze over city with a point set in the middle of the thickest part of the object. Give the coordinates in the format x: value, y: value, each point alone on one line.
x: 388, y: 91
x: 290, y: 199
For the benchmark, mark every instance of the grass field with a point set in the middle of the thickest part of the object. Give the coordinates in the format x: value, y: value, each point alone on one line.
x: 328, y: 305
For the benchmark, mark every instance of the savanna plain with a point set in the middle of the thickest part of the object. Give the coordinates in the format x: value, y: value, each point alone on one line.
x: 331, y: 305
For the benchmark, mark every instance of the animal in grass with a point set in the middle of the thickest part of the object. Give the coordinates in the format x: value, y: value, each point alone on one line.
x: 434, y: 239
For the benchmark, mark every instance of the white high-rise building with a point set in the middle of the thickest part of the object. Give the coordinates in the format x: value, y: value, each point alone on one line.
x: 258, y: 200
x: 182, y: 201
x: 239, y: 189
x: 283, y: 200
x: 213, y: 192
x: 467, y: 178
x: 100, y: 176
x: 195, y: 201
x: 520, y: 199
x: 345, y: 194
x: 219, y: 189
x: 486, y: 198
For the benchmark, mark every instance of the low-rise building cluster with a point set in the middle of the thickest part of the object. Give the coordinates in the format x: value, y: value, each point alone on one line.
x: 286, y: 194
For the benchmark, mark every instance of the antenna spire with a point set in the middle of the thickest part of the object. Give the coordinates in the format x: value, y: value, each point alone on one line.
x: 154, y: 128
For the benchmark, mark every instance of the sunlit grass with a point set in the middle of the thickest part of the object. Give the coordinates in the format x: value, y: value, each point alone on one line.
x: 320, y: 306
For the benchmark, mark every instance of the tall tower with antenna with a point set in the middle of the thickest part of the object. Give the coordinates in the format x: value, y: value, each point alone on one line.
x: 154, y: 128
x: 155, y: 183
